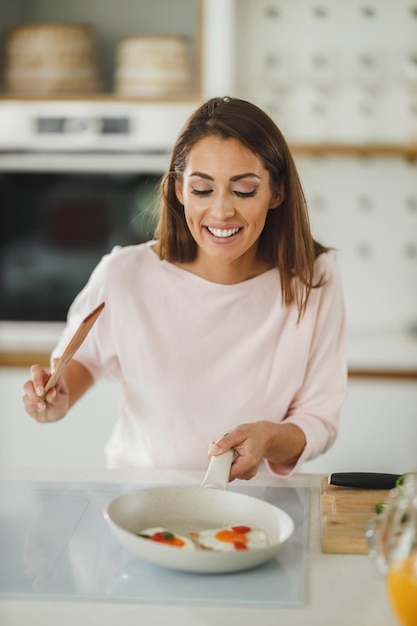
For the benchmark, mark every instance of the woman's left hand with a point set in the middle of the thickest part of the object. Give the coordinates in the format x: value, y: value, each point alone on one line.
x: 251, y: 442
x: 281, y: 444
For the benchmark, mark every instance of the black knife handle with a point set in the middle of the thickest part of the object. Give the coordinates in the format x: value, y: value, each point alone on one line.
x: 364, y: 480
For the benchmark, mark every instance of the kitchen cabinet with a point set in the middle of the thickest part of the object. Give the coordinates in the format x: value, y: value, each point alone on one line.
x: 378, y: 429
x: 75, y: 442
x: 111, y: 22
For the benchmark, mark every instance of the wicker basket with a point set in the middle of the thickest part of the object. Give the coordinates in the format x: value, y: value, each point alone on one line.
x: 153, y: 66
x: 51, y: 59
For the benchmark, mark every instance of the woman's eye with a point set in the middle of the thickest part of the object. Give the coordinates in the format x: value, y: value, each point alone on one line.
x: 245, y: 194
x: 201, y: 192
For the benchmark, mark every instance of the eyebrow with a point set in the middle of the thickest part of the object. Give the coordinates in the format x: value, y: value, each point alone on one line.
x: 232, y: 179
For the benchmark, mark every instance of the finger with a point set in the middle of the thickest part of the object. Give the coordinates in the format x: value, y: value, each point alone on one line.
x: 51, y: 395
x: 34, y: 406
x: 244, y: 467
x: 29, y: 389
x: 242, y: 475
x: 231, y: 440
x: 39, y: 377
x: 31, y: 400
x: 214, y: 449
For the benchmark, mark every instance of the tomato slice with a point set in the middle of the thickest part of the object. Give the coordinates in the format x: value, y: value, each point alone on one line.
x: 238, y: 545
x: 241, y: 529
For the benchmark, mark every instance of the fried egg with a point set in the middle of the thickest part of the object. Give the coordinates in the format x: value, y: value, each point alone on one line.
x: 166, y: 537
x: 238, y: 537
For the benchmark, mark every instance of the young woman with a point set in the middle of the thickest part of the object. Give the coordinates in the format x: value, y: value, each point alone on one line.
x: 231, y: 320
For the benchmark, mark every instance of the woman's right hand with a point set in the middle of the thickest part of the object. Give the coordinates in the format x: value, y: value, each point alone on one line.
x: 54, y: 405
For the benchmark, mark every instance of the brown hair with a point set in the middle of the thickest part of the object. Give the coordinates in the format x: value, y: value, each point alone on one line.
x: 286, y: 240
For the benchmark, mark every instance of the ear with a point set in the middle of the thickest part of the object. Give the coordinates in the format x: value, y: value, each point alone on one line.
x: 277, y: 198
x: 178, y: 191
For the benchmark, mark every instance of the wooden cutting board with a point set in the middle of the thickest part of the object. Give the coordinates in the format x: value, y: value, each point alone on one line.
x: 344, y: 514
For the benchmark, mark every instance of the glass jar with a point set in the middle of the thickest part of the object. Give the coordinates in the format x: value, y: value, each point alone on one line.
x: 392, y: 537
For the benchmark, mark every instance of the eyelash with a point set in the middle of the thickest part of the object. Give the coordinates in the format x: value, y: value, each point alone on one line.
x: 239, y: 194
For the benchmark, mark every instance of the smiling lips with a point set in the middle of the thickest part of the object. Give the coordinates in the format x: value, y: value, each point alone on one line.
x: 223, y: 233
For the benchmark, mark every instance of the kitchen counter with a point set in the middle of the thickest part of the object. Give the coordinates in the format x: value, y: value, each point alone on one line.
x: 342, y: 589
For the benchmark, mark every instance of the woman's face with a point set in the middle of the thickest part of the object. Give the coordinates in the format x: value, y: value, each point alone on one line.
x: 226, y: 195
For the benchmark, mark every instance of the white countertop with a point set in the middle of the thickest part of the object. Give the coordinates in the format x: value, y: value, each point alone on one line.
x: 341, y: 589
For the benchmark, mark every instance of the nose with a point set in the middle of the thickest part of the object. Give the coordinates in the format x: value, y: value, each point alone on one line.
x: 221, y: 207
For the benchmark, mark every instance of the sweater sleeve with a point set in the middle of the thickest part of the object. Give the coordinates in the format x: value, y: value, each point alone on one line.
x: 91, y: 354
x: 316, y: 406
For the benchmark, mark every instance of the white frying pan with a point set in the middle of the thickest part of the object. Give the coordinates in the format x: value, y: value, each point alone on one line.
x: 183, y: 510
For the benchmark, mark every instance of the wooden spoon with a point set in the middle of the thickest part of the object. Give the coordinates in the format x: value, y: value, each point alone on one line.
x: 73, y: 345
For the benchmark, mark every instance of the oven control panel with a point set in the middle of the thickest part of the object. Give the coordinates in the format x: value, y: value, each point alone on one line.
x: 84, y: 125
x: 91, y: 126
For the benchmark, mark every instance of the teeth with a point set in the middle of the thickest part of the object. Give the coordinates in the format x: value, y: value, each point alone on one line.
x: 227, y: 232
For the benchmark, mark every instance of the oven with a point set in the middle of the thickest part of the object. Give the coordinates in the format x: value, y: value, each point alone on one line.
x: 76, y: 179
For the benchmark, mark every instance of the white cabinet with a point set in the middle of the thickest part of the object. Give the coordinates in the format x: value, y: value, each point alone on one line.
x: 378, y: 430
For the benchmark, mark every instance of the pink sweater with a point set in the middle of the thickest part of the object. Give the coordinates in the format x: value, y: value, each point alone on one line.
x: 196, y: 358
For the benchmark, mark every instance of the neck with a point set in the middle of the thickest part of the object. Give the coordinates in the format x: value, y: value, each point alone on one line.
x: 226, y: 273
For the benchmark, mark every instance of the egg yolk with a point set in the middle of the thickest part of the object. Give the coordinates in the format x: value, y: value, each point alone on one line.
x: 237, y: 536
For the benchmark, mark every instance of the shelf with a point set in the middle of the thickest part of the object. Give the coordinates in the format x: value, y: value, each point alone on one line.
x: 23, y: 359
x: 26, y: 359
x: 97, y: 97
x: 382, y: 374
x: 406, y: 151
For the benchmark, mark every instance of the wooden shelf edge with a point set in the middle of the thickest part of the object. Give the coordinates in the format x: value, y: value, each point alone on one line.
x: 26, y: 359
x: 23, y: 359
x: 407, y: 151
x: 384, y: 374
x: 101, y: 97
